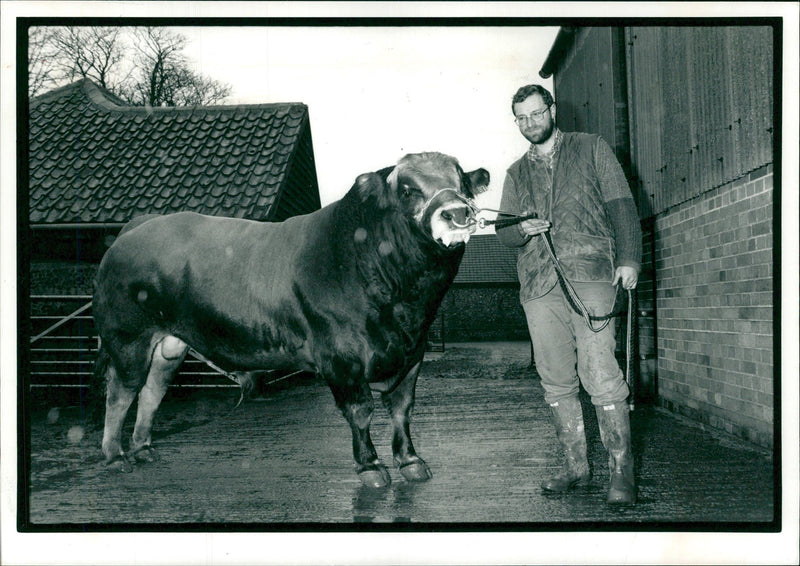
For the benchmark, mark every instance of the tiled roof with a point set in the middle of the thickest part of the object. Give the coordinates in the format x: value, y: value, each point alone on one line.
x: 94, y: 160
x: 486, y: 260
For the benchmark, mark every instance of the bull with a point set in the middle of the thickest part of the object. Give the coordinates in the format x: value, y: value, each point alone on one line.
x: 348, y: 292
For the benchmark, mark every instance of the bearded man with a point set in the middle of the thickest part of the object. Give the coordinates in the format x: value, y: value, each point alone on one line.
x: 576, y: 186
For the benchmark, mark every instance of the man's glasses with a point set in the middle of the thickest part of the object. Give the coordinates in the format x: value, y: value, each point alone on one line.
x: 535, y: 116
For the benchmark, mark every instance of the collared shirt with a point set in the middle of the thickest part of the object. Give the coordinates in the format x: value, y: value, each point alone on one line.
x: 534, y: 154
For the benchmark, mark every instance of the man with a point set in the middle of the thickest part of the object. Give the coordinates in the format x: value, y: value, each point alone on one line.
x: 579, y: 192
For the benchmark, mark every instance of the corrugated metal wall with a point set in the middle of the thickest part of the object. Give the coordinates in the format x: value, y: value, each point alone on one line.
x: 588, y: 93
x: 701, y: 108
x: 591, y: 96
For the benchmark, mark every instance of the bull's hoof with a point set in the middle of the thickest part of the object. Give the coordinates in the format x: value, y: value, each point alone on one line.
x: 416, y: 471
x: 146, y: 454
x: 375, y: 478
x: 119, y: 464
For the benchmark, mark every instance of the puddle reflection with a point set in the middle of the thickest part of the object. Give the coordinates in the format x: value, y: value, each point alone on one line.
x: 392, y: 504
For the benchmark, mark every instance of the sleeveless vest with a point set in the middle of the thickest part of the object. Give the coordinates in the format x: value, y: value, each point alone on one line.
x: 571, y: 199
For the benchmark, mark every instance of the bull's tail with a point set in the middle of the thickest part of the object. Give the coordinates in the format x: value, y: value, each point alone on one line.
x: 94, y: 397
x: 246, y: 381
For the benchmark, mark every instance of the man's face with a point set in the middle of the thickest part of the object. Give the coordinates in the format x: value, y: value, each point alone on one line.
x: 535, y: 130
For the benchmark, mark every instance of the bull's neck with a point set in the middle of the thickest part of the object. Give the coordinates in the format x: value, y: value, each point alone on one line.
x: 391, y: 251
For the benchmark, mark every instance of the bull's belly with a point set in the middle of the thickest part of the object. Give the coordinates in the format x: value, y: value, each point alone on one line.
x: 279, y: 358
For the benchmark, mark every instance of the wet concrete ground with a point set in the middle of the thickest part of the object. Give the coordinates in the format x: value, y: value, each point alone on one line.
x: 480, y: 422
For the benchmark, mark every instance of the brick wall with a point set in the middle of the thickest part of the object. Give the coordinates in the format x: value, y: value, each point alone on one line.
x: 715, y: 307
x: 473, y: 313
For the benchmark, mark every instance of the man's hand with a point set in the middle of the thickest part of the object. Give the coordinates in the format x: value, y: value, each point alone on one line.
x: 627, y: 276
x: 534, y: 226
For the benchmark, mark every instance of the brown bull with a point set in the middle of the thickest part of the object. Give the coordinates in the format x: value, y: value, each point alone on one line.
x: 348, y: 292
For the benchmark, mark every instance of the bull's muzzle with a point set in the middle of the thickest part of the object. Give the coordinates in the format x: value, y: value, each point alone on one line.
x: 453, y: 221
x: 458, y: 216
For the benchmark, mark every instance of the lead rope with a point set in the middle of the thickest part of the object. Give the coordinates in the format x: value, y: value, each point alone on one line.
x: 577, y: 305
x: 631, y: 347
x: 569, y: 291
x: 572, y: 296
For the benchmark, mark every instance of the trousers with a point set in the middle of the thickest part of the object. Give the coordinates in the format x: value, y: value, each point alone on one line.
x: 567, y: 353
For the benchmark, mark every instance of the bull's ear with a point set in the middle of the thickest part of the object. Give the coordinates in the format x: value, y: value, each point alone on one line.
x: 373, y: 187
x: 478, y: 181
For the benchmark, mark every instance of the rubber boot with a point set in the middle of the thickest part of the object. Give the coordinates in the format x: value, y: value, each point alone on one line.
x: 615, y: 432
x: 568, y: 421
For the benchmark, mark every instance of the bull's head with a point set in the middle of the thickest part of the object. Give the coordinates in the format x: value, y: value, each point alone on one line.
x: 433, y: 190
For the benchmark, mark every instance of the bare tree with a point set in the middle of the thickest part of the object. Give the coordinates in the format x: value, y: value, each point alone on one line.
x: 184, y: 87
x: 158, y: 57
x: 142, y: 66
x: 164, y: 76
x: 89, y: 53
x: 41, y: 61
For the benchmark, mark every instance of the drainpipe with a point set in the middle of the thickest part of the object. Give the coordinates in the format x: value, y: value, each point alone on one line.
x: 559, y: 49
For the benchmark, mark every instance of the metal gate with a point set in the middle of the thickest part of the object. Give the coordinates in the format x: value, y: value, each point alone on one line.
x: 64, y: 342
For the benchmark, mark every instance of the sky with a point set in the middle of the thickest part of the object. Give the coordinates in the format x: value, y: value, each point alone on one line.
x: 377, y: 93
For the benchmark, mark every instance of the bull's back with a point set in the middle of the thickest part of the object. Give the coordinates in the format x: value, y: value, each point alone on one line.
x: 222, y: 284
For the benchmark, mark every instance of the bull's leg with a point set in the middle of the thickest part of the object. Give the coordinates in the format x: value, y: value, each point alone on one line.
x: 399, y: 402
x: 118, y: 400
x: 167, y: 357
x: 357, y: 405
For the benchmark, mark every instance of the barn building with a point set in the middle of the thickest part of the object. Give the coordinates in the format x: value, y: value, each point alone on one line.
x: 689, y: 112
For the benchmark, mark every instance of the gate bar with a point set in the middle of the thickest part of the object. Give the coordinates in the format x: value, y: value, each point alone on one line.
x: 62, y: 321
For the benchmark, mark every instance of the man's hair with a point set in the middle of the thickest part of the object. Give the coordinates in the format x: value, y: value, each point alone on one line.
x: 528, y: 90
